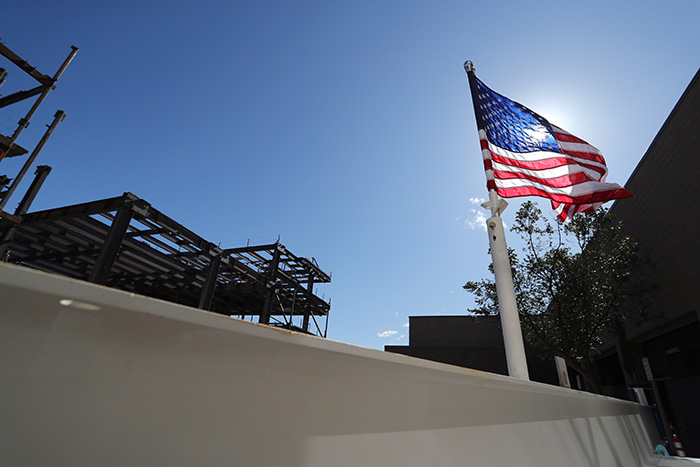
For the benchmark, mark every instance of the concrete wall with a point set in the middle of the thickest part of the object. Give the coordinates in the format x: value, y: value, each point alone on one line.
x: 93, y: 376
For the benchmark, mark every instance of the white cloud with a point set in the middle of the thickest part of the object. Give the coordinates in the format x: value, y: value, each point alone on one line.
x: 476, y: 217
x: 476, y: 220
x: 387, y: 333
x: 406, y: 325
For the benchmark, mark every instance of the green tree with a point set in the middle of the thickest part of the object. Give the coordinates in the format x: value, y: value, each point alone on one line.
x: 574, y: 284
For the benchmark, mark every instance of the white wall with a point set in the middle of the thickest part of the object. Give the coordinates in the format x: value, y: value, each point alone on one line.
x: 119, y: 380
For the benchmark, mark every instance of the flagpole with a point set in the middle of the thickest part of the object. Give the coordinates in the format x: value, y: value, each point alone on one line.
x: 510, y: 322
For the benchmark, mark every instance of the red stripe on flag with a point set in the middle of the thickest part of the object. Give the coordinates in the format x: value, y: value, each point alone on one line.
x: 564, y: 181
x: 589, y: 156
x: 588, y: 198
x: 568, y: 137
x: 543, y: 164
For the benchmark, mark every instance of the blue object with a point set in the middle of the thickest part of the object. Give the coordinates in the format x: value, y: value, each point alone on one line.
x: 511, y: 125
x: 661, y: 450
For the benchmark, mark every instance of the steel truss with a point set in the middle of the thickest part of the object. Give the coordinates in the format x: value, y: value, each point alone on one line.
x: 127, y: 244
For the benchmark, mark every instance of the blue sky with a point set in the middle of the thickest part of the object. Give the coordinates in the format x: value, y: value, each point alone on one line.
x: 345, y: 128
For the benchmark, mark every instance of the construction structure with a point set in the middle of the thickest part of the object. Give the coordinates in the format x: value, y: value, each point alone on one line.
x: 8, y: 145
x: 125, y: 243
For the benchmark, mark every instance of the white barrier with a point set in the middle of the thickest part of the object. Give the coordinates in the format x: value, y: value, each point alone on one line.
x: 93, y: 376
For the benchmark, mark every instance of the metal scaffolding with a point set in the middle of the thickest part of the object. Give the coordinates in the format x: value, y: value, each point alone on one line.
x: 8, y: 145
x: 127, y: 244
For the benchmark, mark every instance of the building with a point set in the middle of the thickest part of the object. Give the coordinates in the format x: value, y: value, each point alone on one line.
x: 127, y: 244
x: 664, y: 218
x: 472, y: 342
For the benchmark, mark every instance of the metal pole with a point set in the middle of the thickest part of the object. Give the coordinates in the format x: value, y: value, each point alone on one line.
x: 110, y: 248
x: 307, y: 307
x: 3, y: 75
x: 207, y: 295
x: 58, y: 117
x: 41, y: 173
x: 660, y: 406
x: 294, y: 300
x: 510, y: 322
x: 270, y: 285
x: 24, y: 122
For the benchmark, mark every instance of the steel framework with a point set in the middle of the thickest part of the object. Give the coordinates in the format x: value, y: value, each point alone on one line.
x: 8, y: 145
x: 127, y: 244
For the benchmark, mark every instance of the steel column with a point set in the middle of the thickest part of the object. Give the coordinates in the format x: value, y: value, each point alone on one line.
x: 24, y: 122
x: 110, y: 247
x: 58, y: 118
x: 270, y: 285
x: 41, y: 173
x: 208, y: 289
x: 307, y: 308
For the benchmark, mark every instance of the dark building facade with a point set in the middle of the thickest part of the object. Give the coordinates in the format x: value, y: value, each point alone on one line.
x: 664, y: 218
x: 474, y: 342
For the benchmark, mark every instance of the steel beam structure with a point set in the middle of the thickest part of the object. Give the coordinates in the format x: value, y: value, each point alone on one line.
x: 46, y: 85
x: 208, y: 289
x: 125, y: 243
x: 110, y: 247
x: 5, y: 196
x: 40, y: 175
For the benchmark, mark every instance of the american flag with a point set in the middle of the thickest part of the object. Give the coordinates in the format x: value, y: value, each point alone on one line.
x: 525, y: 155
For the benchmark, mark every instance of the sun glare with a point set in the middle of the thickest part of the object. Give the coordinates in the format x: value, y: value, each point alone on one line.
x: 556, y: 116
x: 538, y: 134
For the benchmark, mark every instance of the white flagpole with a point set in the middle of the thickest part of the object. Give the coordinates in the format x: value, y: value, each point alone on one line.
x: 510, y: 322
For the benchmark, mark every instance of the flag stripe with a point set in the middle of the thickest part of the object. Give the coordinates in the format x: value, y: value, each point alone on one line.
x: 552, y: 179
x: 507, y: 189
x: 581, y: 193
x: 525, y: 155
x: 590, y: 160
x: 559, y: 164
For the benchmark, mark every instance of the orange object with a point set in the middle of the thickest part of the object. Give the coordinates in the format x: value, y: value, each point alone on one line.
x: 676, y: 441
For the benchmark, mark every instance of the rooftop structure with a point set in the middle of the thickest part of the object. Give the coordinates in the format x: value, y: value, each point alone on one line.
x: 125, y: 243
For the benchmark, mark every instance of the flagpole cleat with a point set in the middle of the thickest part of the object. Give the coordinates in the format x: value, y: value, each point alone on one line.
x: 495, y: 204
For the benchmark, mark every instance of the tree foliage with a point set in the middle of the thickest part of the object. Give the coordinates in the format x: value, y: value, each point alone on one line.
x: 573, y: 284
